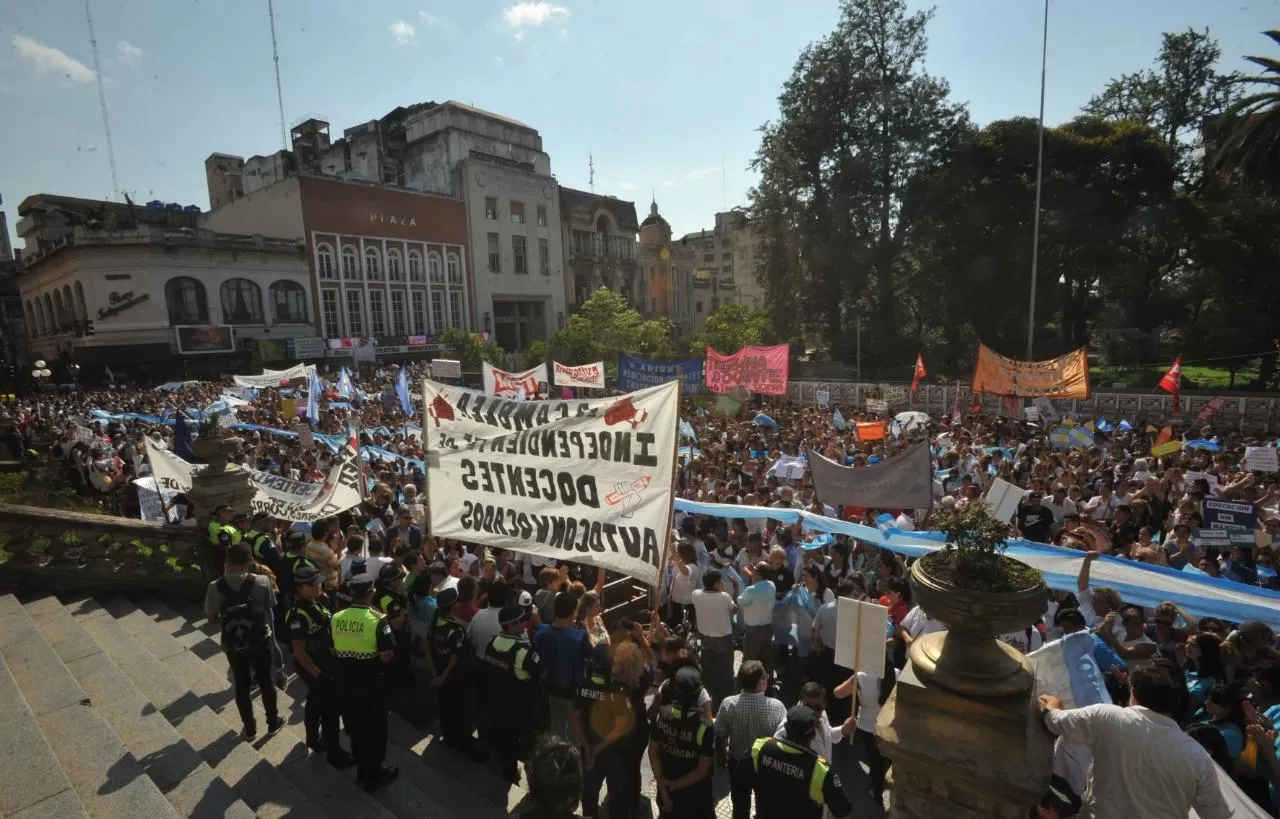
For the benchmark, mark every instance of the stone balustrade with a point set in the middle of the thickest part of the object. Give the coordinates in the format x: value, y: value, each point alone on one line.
x: 55, y: 550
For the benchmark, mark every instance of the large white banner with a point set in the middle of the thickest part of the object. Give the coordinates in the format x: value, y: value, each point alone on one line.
x: 282, y: 497
x: 587, y: 481
x: 273, y: 378
x: 585, y: 375
x: 503, y: 384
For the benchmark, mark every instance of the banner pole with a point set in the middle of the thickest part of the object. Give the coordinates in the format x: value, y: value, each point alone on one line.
x: 671, y: 513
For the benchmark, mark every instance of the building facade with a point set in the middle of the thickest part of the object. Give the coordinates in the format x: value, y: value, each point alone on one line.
x: 724, y: 260
x: 666, y: 271
x: 141, y: 298
x: 384, y: 263
x: 599, y: 238
x: 510, y: 256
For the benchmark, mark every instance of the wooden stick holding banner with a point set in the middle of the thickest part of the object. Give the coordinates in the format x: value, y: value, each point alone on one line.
x: 671, y: 516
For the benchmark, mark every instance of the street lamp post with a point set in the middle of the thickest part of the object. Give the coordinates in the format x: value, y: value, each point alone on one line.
x: 1035, y: 224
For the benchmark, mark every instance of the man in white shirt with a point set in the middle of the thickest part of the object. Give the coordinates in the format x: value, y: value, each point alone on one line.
x: 714, y: 610
x: 1143, y: 763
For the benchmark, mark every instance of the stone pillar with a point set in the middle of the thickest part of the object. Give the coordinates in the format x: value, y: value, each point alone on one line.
x: 962, y: 757
x: 219, y: 482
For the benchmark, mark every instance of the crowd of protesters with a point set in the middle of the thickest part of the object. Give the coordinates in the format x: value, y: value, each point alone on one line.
x: 510, y: 655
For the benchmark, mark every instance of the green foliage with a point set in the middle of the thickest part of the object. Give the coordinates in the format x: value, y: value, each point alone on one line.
x: 1249, y: 132
x: 538, y: 353
x: 975, y: 547
x: 605, y: 327
x: 732, y: 327
x: 471, y: 350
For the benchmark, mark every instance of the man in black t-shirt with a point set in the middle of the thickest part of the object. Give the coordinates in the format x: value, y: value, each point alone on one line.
x: 1034, y: 519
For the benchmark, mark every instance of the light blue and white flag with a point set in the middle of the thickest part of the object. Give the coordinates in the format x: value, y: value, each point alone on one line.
x: 345, y: 389
x: 314, y: 388
x: 686, y: 431
x: 402, y: 391
x: 837, y: 421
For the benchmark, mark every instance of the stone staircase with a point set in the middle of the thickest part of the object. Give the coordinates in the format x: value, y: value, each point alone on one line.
x: 122, y: 706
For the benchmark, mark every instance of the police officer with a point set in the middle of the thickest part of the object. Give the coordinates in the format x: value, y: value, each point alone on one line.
x: 451, y: 661
x: 681, y: 752
x: 308, y: 628
x: 792, y: 780
x: 255, y: 530
x: 515, y: 674
x: 603, y: 721
x: 222, y: 533
x: 362, y: 646
x: 387, y: 587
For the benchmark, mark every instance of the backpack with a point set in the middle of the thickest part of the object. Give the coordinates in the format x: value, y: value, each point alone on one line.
x: 243, y: 628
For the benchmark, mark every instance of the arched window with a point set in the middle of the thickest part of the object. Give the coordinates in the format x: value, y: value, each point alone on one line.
x: 289, y: 302
x: 415, y: 266
x: 350, y: 264
x: 373, y: 264
x: 241, y: 302
x: 434, y: 271
x: 32, y: 327
x: 324, y: 262
x: 186, y: 302
x: 395, y: 270
x: 68, y: 304
x: 454, y: 268
x: 59, y: 310
x: 50, y: 318
x: 80, y: 308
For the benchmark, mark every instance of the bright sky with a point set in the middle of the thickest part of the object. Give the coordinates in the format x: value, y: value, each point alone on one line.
x: 664, y: 93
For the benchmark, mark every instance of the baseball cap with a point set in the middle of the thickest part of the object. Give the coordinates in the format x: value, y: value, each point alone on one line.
x: 446, y: 597
x: 801, y: 720
x: 525, y: 600
x: 360, y: 584
x: 261, y: 516
x: 389, y: 572
x: 305, y: 574
x: 511, y: 613
x: 687, y: 683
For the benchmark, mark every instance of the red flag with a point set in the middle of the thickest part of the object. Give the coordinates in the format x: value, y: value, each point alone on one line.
x: 919, y: 373
x: 1172, y: 383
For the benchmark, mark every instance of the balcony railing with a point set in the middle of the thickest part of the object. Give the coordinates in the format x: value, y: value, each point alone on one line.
x: 594, y: 246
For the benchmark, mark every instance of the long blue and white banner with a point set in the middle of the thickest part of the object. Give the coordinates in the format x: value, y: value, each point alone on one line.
x: 1138, y: 583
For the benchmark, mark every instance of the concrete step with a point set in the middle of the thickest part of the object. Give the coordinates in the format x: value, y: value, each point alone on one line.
x: 475, y: 791
x: 188, y: 783
x: 265, y: 789
x: 38, y: 787
x: 107, y: 779
x: 335, y: 792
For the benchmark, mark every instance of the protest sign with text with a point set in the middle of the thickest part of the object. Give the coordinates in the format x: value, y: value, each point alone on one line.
x: 1261, y: 459
x: 903, y: 482
x: 636, y: 373
x: 1221, y: 514
x: 590, y: 376
x: 274, y: 378
x: 525, y: 385
x: 446, y: 368
x: 1210, y: 408
x: 588, y: 481
x: 281, y: 497
x: 759, y: 369
x: 1063, y: 377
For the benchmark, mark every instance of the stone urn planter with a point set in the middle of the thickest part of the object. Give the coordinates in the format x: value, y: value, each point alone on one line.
x: 216, y: 451
x: 979, y: 594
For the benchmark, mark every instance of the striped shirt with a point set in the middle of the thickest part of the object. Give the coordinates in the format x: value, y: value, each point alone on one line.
x: 746, y: 717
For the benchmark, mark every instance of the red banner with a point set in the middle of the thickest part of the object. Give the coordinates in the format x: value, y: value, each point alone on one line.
x: 759, y: 369
x: 1211, y: 408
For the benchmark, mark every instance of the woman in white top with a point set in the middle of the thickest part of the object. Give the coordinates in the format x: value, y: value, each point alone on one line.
x: 872, y: 693
x: 685, y: 577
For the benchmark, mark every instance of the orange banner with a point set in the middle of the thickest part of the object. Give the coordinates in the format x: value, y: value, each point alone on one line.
x: 1063, y: 377
x: 871, y: 430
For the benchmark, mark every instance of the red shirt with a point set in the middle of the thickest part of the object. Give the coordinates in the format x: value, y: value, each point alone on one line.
x: 896, y: 613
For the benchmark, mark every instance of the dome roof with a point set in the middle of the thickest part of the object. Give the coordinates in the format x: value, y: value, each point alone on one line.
x: 654, y: 218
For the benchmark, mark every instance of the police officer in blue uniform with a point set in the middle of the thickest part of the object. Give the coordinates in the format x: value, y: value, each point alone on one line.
x: 363, y: 646
x: 514, y: 674
x: 307, y: 627
x: 791, y: 780
x: 681, y: 751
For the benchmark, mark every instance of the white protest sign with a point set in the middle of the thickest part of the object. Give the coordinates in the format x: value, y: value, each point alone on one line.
x: 861, y: 630
x: 877, y: 405
x: 824, y: 399
x: 86, y: 436
x: 446, y: 368
x: 281, y: 497
x: 790, y: 467
x: 1002, y: 500
x: 590, y: 376
x: 1261, y: 459
x: 894, y: 394
x: 520, y: 386
x: 1189, y: 480
x: 1046, y: 408
x: 274, y: 378
x: 588, y: 481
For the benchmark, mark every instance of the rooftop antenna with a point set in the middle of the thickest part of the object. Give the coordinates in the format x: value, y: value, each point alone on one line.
x: 275, y: 55
x: 591, y: 172
x: 724, y: 185
x: 102, y: 100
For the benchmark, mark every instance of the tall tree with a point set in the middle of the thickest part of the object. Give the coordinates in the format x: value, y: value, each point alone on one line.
x: 605, y: 327
x: 1249, y: 131
x: 859, y: 119
x: 730, y: 328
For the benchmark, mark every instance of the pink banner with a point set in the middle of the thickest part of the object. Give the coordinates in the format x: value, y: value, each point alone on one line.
x: 759, y: 369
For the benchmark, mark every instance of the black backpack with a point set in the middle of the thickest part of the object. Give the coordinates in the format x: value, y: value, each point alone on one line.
x: 243, y: 628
